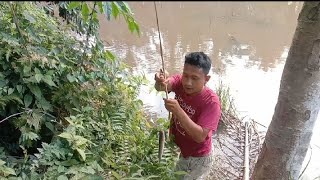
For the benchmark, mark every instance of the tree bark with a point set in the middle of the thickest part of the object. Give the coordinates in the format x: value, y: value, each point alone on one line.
x: 290, y: 131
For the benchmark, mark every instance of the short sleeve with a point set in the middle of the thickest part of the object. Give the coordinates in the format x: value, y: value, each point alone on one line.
x: 175, y: 82
x: 210, y: 116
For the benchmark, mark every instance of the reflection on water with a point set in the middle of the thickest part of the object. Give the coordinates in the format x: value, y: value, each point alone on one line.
x: 248, y: 43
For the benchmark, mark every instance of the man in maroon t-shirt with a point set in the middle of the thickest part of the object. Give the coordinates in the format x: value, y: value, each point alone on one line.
x: 195, y: 114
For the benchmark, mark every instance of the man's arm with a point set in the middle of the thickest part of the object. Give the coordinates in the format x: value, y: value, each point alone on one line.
x: 196, y: 132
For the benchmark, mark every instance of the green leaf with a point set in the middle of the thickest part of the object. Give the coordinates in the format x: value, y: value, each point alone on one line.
x: 73, y: 4
x: 19, y: 88
x: 131, y: 25
x: 38, y: 77
x: 2, y: 83
x: 62, y: 177
x: 27, y: 100
x: 107, y: 9
x: 137, y: 27
x: 33, y: 35
x: 71, y: 78
x: 50, y: 72
x: 10, y: 91
x: 124, y: 7
x: 30, y: 135
x: 116, y: 175
x: 2, y: 163
x: 92, y: 177
x: 26, y: 69
x: 109, y: 55
x: 47, y: 79
x: 115, y: 9
x: 80, y: 141
x: 180, y: 172
x: 8, y: 171
x: 8, y: 54
x: 34, y: 120
x: 69, y: 162
x: 35, y: 90
x: 50, y: 126
x: 9, y: 39
x: 43, y: 103
x: 29, y: 17
x: 37, y: 71
x: 65, y: 135
x: 82, y: 154
x: 81, y: 78
x: 100, y: 7
x: 85, y: 11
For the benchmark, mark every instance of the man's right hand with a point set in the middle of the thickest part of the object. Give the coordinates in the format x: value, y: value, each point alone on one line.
x: 161, y: 82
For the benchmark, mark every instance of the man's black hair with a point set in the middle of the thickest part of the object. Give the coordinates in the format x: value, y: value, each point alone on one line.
x: 199, y: 59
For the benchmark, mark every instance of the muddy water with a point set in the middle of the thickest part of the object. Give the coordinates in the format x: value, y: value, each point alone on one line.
x: 248, y: 43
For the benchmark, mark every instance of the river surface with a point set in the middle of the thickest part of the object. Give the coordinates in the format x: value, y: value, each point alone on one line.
x: 248, y: 43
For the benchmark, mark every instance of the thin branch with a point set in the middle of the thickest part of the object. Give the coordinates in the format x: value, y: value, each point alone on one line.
x: 13, y: 115
x: 27, y: 110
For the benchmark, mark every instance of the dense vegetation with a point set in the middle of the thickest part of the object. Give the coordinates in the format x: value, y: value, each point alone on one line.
x: 69, y: 110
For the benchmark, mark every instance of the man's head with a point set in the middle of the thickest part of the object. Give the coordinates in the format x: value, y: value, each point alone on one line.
x: 195, y: 72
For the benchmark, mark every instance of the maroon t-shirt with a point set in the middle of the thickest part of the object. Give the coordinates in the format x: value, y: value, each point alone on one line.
x: 203, y: 109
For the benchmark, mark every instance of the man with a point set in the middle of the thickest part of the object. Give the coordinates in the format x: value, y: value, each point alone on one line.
x: 195, y: 114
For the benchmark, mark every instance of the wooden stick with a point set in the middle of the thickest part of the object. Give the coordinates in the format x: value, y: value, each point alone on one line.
x: 246, y: 155
x: 161, y: 133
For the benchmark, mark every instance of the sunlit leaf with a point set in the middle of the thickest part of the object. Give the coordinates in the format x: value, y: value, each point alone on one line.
x: 100, y: 5
x: 8, y: 54
x: 2, y: 162
x: 115, y: 9
x: 38, y: 77
x: 26, y: 69
x: 34, y: 120
x: 124, y: 6
x: 71, y: 78
x: 65, y: 135
x: 10, y: 91
x: 73, y: 4
x: 85, y: 11
x: 48, y: 79
x: 131, y: 26
x: 29, y: 17
x: 37, y: 71
x: 8, y: 171
x: 109, y: 55
x: 62, y: 177
x: 82, y: 154
x: 116, y: 175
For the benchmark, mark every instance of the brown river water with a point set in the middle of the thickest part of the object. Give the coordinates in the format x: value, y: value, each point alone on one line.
x: 248, y: 43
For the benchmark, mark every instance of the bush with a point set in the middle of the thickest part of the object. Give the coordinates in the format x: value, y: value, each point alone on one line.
x: 69, y: 110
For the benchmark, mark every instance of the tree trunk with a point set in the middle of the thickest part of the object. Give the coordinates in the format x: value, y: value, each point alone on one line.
x: 288, y: 136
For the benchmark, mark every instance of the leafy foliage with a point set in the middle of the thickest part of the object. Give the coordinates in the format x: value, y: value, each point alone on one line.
x: 68, y: 108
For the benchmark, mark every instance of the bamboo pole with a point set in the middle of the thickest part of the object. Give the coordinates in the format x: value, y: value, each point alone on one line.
x: 161, y: 133
x: 246, y: 154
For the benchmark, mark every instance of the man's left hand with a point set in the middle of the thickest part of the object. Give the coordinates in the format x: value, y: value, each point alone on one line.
x: 172, y: 105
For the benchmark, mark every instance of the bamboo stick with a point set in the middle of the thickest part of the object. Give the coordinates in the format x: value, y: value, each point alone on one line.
x: 246, y: 155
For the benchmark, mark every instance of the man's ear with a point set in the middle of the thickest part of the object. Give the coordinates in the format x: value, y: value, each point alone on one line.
x: 207, y: 78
